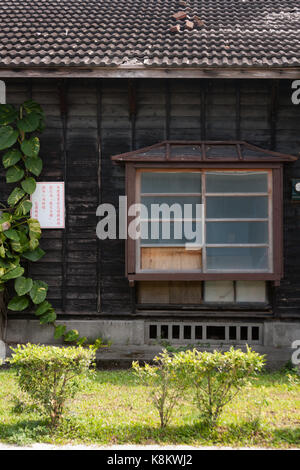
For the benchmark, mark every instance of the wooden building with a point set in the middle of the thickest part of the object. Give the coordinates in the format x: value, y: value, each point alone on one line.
x: 206, y: 113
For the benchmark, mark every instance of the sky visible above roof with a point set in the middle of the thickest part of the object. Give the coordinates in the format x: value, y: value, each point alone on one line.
x: 147, y: 33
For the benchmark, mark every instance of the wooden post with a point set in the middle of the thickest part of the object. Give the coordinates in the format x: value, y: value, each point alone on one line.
x: 203, y: 110
x: 273, y: 112
x: 99, y: 141
x: 238, y: 110
x: 132, y: 102
x: 62, y: 90
x: 168, y: 110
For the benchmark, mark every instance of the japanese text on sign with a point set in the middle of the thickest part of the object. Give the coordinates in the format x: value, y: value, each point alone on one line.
x: 48, y: 204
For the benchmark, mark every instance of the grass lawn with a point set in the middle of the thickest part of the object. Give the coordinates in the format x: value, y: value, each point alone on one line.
x: 112, y: 408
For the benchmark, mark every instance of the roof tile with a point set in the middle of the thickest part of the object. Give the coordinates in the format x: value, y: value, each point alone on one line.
x: 127, y: 32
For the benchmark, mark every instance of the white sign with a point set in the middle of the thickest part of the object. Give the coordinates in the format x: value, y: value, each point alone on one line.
x: 48, y: 204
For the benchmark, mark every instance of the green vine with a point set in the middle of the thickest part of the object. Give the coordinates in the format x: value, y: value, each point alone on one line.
x: 19, y: 233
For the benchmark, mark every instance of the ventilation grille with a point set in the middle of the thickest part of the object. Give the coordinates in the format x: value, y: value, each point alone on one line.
x: 208, y: 333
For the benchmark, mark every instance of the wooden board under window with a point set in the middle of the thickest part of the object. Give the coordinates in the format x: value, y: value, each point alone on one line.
x: 170, y: 259
x: 170, y: 292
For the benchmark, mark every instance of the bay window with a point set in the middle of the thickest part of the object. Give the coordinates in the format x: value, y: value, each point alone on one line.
x: 210, y: 220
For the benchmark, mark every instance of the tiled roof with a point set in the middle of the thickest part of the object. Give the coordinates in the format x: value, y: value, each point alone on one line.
x: 130, y: 33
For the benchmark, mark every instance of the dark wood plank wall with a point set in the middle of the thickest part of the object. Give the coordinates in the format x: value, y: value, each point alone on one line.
x: 90, y: 120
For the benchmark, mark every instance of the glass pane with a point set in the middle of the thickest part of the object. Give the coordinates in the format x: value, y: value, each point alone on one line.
x: 218, y: 291
x: 237, y: 259
x: 165, y: 209
x: 186, y: 151
x: 236, y: 232
x: 229, y: 151
x: 241, y: 182
x: 252, y: 207
x: 251, y: 291
x: 171, y: 182
x: 171, y: 233
x: 159, y: 151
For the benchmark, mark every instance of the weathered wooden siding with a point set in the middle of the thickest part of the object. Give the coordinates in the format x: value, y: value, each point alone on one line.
x: 90, y: 120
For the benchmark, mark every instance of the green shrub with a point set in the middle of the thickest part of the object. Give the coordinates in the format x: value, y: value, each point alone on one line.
x: 164, y: 384
x: 216, y: 377
x: 50, y: 375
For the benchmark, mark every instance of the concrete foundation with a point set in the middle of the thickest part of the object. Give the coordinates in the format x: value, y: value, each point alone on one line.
x: 129, y: 339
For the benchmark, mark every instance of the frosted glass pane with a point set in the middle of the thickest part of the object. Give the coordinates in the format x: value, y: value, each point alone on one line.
x: 171, y: 182
x: 173, y: 233
x: 251, y: 291
x: 218, y: 291
x: 236, y: 232
x: 186, y: 151
x: 242, y: 182
x: 178, y: 211
x: 244, y: 207
x: 237, y: 259
x: 221, y: 151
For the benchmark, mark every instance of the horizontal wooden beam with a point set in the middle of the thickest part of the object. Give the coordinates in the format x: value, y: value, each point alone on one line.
x: 195, y: 276
x: 203, y: 314
x: 143, y: 72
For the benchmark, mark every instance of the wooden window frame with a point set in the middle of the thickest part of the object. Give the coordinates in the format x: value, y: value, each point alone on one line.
x: 131, y: 171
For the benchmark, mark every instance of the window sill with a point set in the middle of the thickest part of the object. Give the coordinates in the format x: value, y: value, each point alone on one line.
x: 193, y: 276
x: 208, y: 306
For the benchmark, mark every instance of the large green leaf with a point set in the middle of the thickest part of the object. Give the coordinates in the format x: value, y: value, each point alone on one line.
x: 23, y: 208
x: 8, y: 137
x: 17, y: 304
x: 22, y: 245
x: 29, y: 123
x: 71, y: 336
x: 14, y: 174
x: 34, y: 165
x: 34, y: 228
x: 15, y: 196
x: 11, y: 158
x: 48, y: 317
x: 43, y: 308
x: 31, y: 147
x: 5, y: 217
x: 23, y: 285
x: 81, y: 341
x: 29, y: 185
x: 13, y: 274
x: 31, y: 106
x: 12, y: 234
x: 33, y: 244
x: 34, y: 255
x: 8, y: 114
x: 38, y: 292
x: 59, y: 331
x: 13, y: 263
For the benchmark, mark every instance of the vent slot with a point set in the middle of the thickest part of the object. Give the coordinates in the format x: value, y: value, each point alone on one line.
x: 208, y: 333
